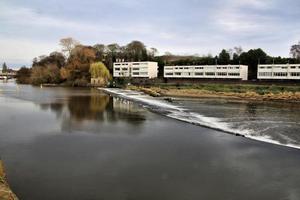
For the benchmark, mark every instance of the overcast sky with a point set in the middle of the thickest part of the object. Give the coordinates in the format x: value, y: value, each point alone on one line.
x: 33, y: 27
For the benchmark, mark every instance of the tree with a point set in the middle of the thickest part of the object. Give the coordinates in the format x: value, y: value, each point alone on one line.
x: 78, y: 65
x: 238, y: 50
x: 224, y: 57
x: 23, y: 75
x: 100, y: 52
x: 295, y: 51
x: 68, y: 44
x: 4, y: 68
x: 153, y: 52
x: 137, y: 51
x: 99, y: 71
x: 252, y: 58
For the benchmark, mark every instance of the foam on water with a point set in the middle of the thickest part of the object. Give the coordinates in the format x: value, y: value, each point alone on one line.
x: 176, y: 112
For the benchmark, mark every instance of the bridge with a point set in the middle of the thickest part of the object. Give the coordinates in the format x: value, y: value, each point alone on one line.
x: 7, y: 75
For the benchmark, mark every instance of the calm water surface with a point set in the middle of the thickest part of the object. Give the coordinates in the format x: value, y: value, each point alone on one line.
x: 62, y: 143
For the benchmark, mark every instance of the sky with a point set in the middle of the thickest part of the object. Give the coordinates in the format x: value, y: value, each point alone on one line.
x: 32, y: 28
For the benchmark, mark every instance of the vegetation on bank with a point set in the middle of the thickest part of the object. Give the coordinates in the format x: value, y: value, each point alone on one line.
x: 72, y: 65
x: 244, y: 91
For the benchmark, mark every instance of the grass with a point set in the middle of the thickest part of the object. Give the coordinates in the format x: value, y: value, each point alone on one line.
x: 235, y: 88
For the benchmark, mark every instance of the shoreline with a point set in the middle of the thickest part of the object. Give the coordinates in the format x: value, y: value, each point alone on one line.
x: 5, y: 191
x: 286, y: 97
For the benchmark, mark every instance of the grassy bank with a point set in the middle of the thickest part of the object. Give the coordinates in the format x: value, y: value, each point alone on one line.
x: 240, y: 91
x: 5, y: 192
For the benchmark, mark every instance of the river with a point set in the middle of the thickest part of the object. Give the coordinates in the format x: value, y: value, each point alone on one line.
x: 78, y: 143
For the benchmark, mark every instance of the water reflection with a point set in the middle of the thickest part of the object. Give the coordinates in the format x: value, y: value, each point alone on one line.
x: 76, y: 110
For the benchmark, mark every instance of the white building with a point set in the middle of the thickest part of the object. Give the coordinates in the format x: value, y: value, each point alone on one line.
x: 282, y: 71
x: 207, y: 71
x: 135, y: 69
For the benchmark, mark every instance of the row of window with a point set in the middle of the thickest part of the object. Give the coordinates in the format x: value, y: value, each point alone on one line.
x: 269, y: 67
x: 279, y: 74
x: 171, y: 68
x: 123, y: 69
x: 201, y: 74
x: 134, y: 69
x: 139, y: 73
x: 118, y: 64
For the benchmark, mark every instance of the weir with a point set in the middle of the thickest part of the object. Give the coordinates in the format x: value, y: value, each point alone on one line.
x: 169, y: 109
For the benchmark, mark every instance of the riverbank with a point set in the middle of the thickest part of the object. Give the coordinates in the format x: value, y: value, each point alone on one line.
x: 230, y: 91
x: 5, y: 191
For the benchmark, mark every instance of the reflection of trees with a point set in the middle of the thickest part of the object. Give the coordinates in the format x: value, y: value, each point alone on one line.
x: 87, y: 107
x: 94, y: 112
x: 95, y: 107
x: 56, y: 107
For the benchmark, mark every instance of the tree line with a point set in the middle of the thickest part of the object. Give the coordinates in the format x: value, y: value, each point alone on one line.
x: 75, y: 64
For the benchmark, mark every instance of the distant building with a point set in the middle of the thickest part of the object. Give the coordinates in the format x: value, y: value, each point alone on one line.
x: 135, y: 69
x: 207, y: 72
x: 281, y: 72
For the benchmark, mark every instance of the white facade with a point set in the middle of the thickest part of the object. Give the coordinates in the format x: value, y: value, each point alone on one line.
x: 135, y: 69
x: 207, y: 71
x: 282, y: 71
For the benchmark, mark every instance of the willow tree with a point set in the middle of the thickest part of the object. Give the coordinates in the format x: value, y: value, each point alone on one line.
x: 100, y: 75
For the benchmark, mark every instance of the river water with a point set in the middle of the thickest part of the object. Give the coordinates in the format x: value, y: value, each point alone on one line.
x: 64, y: 143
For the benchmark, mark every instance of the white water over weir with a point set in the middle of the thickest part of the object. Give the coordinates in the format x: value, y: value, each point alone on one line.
x: 169, y: 109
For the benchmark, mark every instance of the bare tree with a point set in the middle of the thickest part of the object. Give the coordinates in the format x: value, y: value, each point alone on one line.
x: 238, y: 50
x: 153, y: 52
x: 295, y: 51
x: 68, y: 44
x: 230, y: 51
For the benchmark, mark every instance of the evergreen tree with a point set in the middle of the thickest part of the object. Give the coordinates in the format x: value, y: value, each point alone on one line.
x: 4, y: 68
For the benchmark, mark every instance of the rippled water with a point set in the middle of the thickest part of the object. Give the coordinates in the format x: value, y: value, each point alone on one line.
x: 277, y: 123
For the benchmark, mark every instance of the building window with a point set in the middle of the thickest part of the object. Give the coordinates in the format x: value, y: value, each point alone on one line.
x: 221, y: 74
x: 210, y: 73
x: 198, y: 67
x: 177, y: 73
x: 267, y: 74
x: 135, y: 63
x: 135, y: 69
x: 233, y: 74
x: 124, y: 69
x: 117, y: 69
x: 169, y: 74
x: 136, y: 73
x: 117, y: 64
x: 295, y: 73
x: 198, y: 74
x: 280, y: 74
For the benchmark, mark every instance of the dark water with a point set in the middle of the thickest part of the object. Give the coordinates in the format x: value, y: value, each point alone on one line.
x: 61, y: 143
